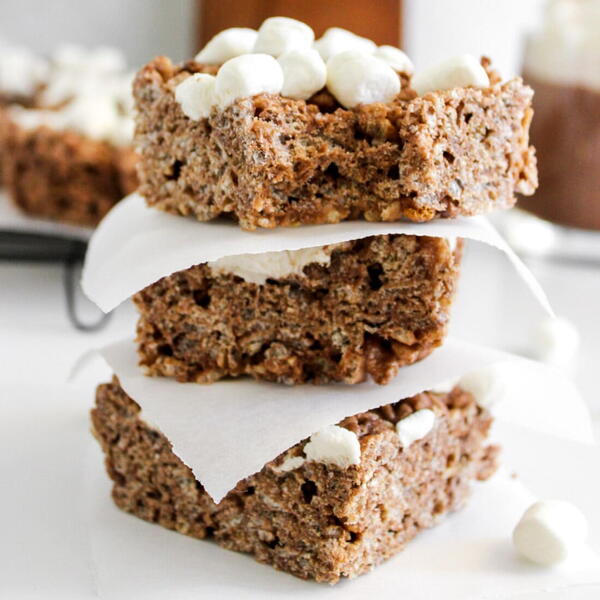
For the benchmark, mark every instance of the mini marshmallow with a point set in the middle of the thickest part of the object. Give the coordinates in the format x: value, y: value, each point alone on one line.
x: 196, y: 95
x: 280, y: 34
x: 487, y: 385
x: 291, y: 463
x: 334, y: 445
x: 549, y: 531
x: 304, y: 73
x: 247, y: 75
x: 415, y: 427
x: 395, y: 58
x: 337, y: 40
x: 227, y: 44
x: 357, y: 78
x: 460, y: 71
x: 555, y: 341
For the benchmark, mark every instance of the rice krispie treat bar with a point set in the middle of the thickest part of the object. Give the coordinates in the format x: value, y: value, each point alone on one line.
x: 273, y: 129
x: 338, y: 313
x: 66, y: 154
x: 335, y: 505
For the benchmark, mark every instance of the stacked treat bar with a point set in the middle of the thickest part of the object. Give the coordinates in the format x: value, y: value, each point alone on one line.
x: 66, y: 132
x: 271, y: 128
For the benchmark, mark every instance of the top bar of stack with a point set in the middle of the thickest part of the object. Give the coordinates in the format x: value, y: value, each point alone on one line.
x: 321, y: 135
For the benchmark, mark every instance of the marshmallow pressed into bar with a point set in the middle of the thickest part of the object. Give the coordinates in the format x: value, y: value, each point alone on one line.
x: 257, y: 268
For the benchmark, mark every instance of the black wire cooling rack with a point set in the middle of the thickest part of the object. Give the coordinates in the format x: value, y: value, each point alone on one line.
x: 43, y: 248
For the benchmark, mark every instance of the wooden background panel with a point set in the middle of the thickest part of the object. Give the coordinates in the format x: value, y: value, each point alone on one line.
x: 379, y: 20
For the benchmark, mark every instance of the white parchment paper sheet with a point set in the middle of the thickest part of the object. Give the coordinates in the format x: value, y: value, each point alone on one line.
x: 12, y: 219
x: 228, y: 430
x: 135, y: 246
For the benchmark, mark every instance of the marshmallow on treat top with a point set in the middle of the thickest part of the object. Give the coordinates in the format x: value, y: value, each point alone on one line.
x: 279, y: 34
x: 395, y: 58
x: 196, y: 95
x: 304, y: 73
x: 227, y: 44
x: 337, y: 40
x: 459, y: 71
x: 247, y: 75
x: 357, y: 78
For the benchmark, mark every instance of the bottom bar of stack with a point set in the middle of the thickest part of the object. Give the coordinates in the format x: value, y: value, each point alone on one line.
x: 361, y: 493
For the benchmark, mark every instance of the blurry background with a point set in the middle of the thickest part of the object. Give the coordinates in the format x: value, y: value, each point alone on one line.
x: 142, y: 29
x: 145, y: 28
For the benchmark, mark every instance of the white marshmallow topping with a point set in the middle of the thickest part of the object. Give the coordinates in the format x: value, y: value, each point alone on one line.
x: 227, y: 44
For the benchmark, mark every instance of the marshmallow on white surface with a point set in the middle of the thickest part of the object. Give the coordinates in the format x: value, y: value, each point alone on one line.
x: 247, y: 75
x: 487, y: 385
x: 555, y: 341
x: 357, y: 78
x: 395, y: 58
x: 277, y: 35
x: 460, y: 71
x: 196, y: 95
x: 415, y: 427
x: 304, y: 73
x: 550, y: 531
x: 334, y: 445
x: 337, y: 40
x: 227, y: 44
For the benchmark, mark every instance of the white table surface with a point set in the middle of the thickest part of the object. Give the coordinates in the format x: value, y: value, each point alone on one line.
x: 39, y: 347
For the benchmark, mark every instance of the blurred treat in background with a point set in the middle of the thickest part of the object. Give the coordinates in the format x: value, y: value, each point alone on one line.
x: 66, y: 132
x: 65, y: 101
x: 562, y: 64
